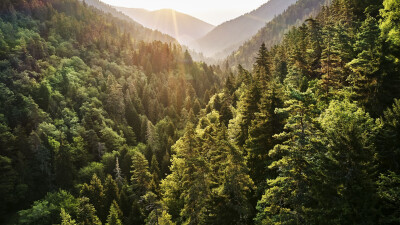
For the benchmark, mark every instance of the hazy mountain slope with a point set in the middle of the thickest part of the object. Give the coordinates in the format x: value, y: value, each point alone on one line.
x: 233, y: 33
x: 140, y: 32
x: 273, y: 32
x: 183, y: 27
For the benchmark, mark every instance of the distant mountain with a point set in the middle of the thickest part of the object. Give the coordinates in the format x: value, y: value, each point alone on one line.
x: 183, y: 27
x: 233, y: 33
x: 140, y: 32
x: 274, y: 31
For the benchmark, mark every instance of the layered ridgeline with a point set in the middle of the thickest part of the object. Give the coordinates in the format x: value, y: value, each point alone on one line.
x: 140, y: 32
x: 184, y: 28
x: 228, y: 36
x: 144, y: 33
x: 272, y: 33
x: 310, y: 136
x: 86, y: 101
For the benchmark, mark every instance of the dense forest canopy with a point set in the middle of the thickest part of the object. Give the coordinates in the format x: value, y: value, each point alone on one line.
x: 101, y: 125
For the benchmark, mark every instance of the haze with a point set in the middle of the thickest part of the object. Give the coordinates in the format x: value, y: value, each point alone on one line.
x: 212, y: 11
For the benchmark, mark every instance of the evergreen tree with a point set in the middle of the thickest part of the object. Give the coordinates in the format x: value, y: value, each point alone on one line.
x: 87, y: 213
x: 155, y: 174
x: 189, y: 179
x: 247, y: 107
x: 266, y: 124
x: 287, y: 199
x: 391, y: 62
x: 346, y: 170
x: 95, y: 192
x: 263, y: 62
x: 141, y: 177
x: 389, y: 194
x: 111, y: 191
x: 314, y: 48
x: 114, y: 216
x: 229, y: 202
x: 366, y: 78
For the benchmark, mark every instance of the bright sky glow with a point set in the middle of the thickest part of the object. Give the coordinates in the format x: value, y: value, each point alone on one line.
x: 211, y: 11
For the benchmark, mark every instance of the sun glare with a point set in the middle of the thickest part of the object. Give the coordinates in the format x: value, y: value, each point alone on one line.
x: 211, y: 11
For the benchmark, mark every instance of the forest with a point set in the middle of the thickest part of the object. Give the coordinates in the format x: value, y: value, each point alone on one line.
x: 103, y: 121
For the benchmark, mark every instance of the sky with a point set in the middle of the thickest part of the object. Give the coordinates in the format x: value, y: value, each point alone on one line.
x: 212, y: 11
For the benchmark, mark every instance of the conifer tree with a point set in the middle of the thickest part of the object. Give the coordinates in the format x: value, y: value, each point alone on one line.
x: 247, y: 107
x: 346, y: 170
x: 111, y: 191
x: 391, y: 62
x: 229, y: 201
x: 115, y: 214
x: 190, y: 178
x: 262, y: 65
x: 87, y: 213
x: 266, y: 124
x: 388, y: 139
x: 365, y: 79
x: 287, y: 198
x: 141, y: 177
x: 95, y: 192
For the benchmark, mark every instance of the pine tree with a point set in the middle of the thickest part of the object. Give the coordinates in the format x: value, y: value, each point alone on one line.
x: 314, y: 48
x: 95, y: 192
x: 388, y: 139
x: 186, y: 190
x: 391, y: 62
x: 389, y: 194
x: 155, y: 175
x: 247, y: 107
x: 335, y: 56
x: 111, y: 191
x: 287, y: 199
x: 115, y: 215
x: 266, y: 124
x: 366, y: 78
x: 262, y: 66
x: 346, y: 170
x: 87, y: 213
x: 141, y: 177
x: 229, y: 202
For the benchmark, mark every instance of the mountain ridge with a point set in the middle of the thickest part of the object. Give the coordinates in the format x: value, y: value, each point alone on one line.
x: 233, y: 33
x: 183, y: 27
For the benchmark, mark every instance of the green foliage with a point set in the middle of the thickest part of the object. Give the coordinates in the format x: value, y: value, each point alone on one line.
x: 114, y: 215
x: 287, y: 198
x: 95, y: 192
x: 66, y: 218
x: 389, y: 194
x: 141, y: 176
x: 92, y: 103
x: 391, y: 29
x: 388, y: 139
x: 48, y: 210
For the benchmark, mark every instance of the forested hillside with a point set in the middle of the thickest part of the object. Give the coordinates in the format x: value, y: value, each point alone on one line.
x: 80, y: 95
x: 272, y: 33
x: 309, y: 136
x: 97, y: 127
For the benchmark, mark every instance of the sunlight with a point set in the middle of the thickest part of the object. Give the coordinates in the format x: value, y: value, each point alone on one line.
x: 175, y: 24
x: 214, y: 12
